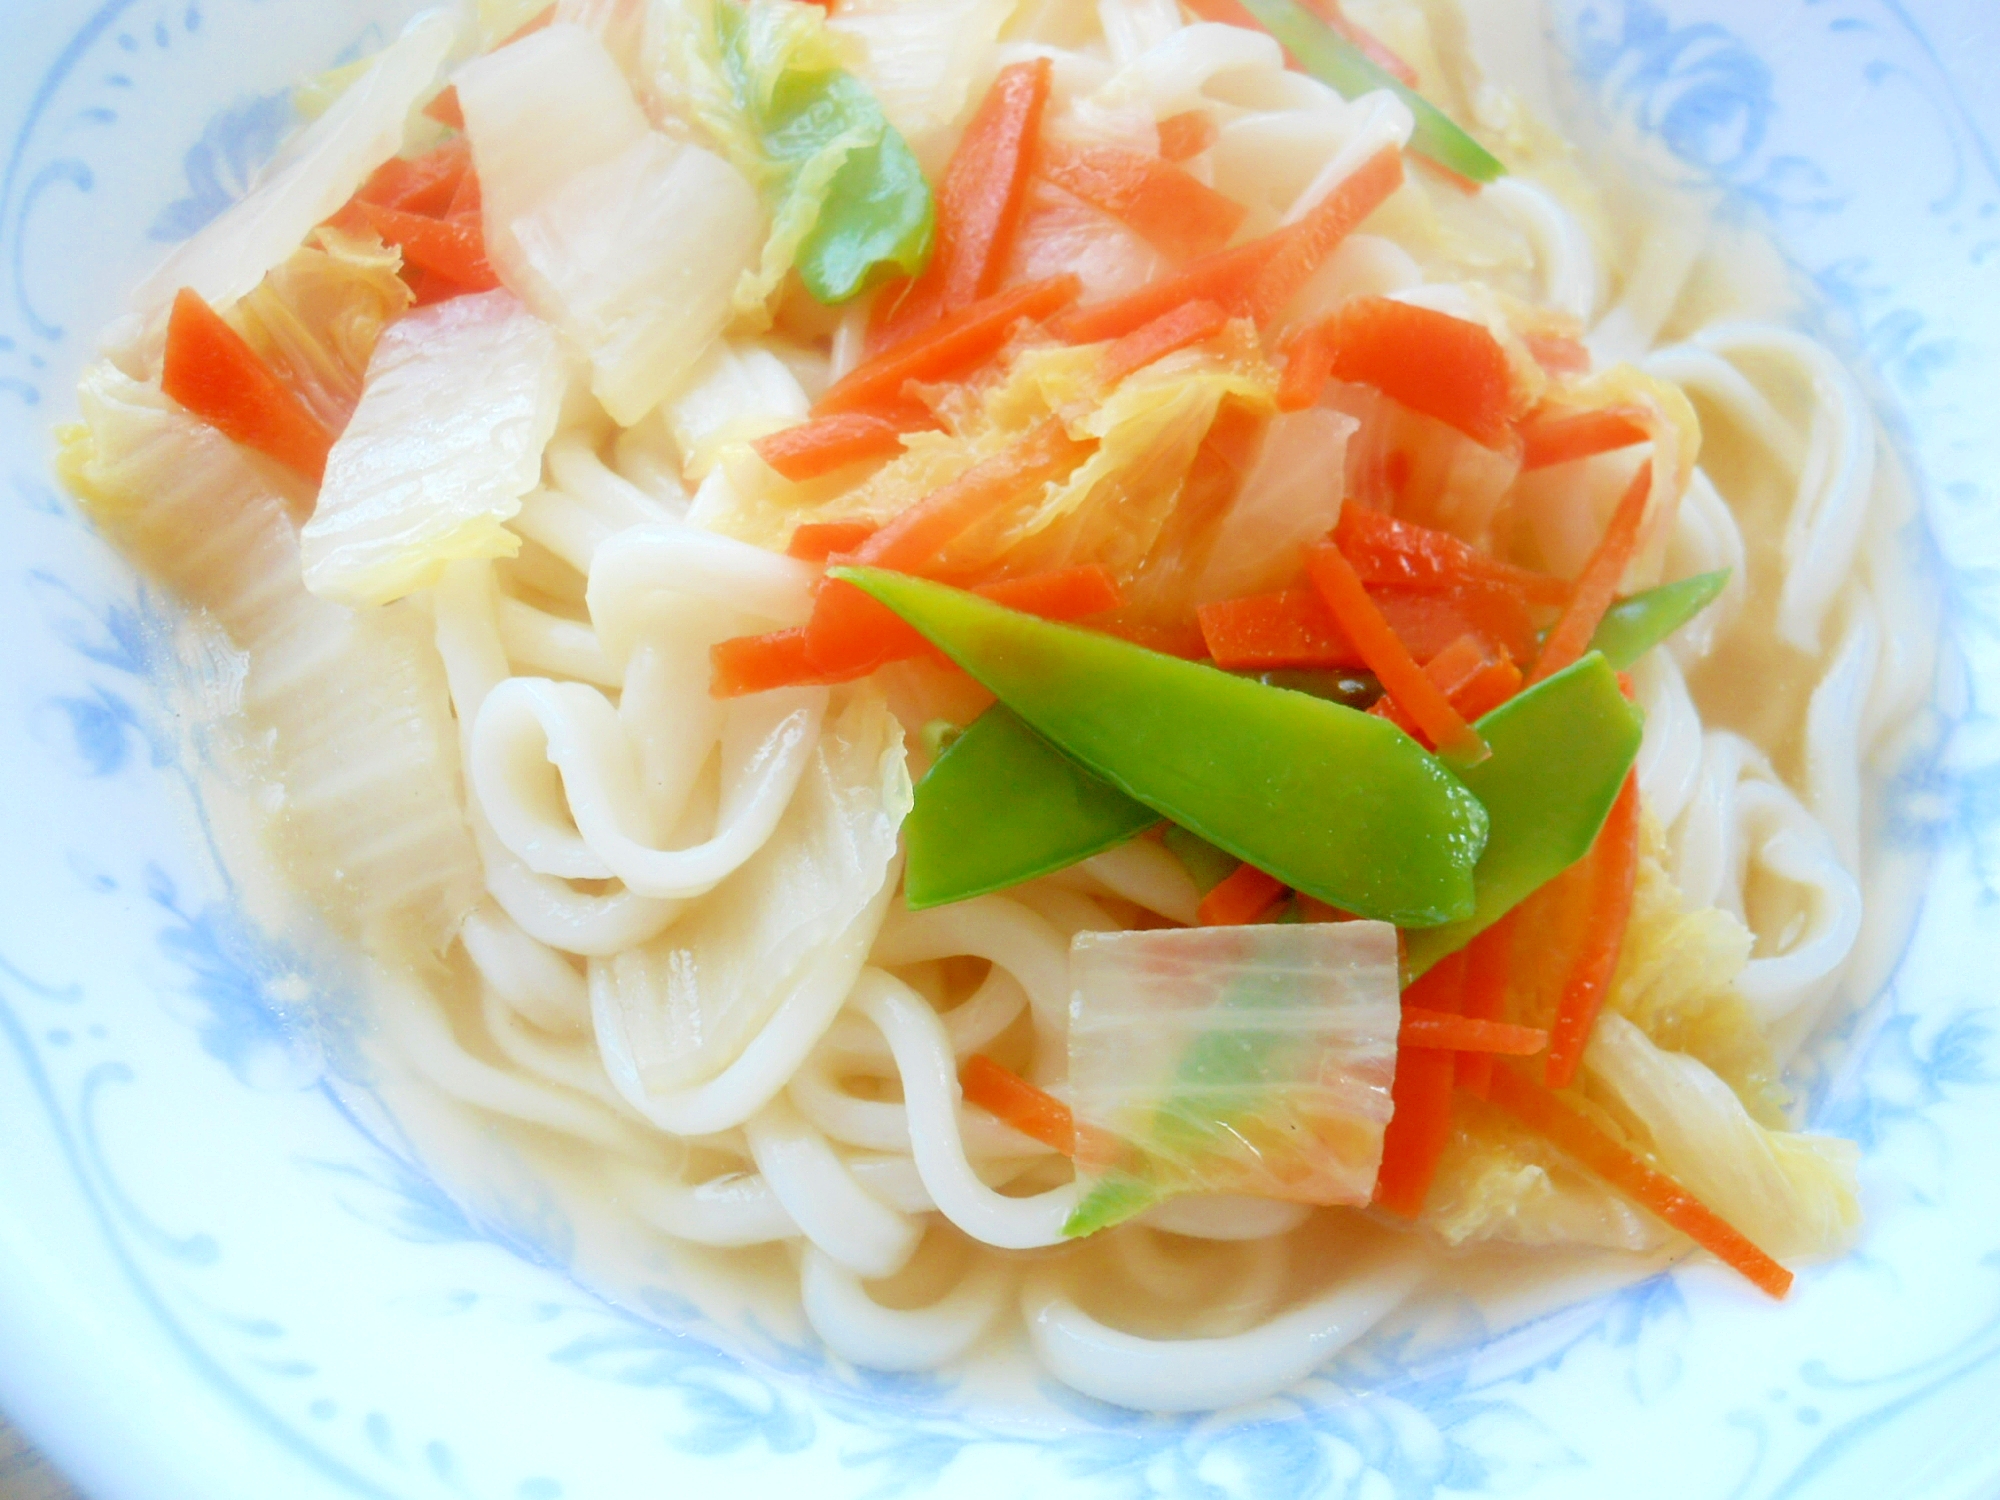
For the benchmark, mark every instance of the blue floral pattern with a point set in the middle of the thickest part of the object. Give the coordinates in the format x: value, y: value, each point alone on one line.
x: 193, y: 1014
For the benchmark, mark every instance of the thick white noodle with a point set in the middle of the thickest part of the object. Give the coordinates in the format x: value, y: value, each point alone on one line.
x: 859, y: 1328
x: 1562, y: 249
x: 836, y: 1213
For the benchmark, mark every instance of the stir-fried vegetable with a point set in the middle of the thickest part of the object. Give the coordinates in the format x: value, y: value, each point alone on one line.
x: 1231, y: 1059
x: 1635, y: 625
x: 217, y: 376
x: 1336, y: 803
x: 1598, y: 586
x: 1611, y: 872
x: 1002, y: 805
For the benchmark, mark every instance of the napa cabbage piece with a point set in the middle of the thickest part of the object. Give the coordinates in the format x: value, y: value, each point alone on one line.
x: 848, y: 202
x: 1289, y: 499
x: 350, y: 710
x: 462, y: 399
x: 790, y: 928
x: 1792, y: 1194
x: 1254, y: 1060
x: 737, y: 394
x: 926, y: 61
x: 316, y: 318
x: 627, y: 240
x: 308, y: 181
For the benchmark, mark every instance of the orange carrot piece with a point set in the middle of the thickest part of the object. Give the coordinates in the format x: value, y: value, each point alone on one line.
x: 952, y: 349
x: 1488, y: 967
x: 918, y: 539
x: 1429, y: 1028
x: 1316, y: 236
x: 1492, y: 685
x: 1420, y: 1127
x: 1177, y: 214
x: 1364, y: 41
x: 1240, y: 898
x: 816, y: 541
x: 1066, y: 594
x: 1441, y: 366
x: 1011, y: 1098
x: 420, y: 185
x: 1187, y: 134
x: 1386, y: 551
x: 1290, y: 629
x: 212, y: 371
x: 452, y: 248
x: 1574, y: 1135
x: 978, y: 207
x: 1224, y: 278
x: 818, y: 447
x: 1464, y: 672
x: 757, y: 663
x: 1548, y: 439
x: 445, y: 108
x: 1161, y: 337
x: 1558, y: 354
x: 1389, y: 659
x: 1597, y: 586
x: 1614, y: 871
x: 469, y: 201
x: 1306, y: 364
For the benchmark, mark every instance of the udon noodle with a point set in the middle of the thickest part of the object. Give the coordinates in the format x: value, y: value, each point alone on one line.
x: 666, y: 927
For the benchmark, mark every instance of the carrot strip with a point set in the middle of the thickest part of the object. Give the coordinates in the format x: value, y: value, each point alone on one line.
x: 1420, y: 1127
x: 1316, y: 236
x: 1385, y: 550
x: 212, y: 371
x: 1614, y: 871
x: 952, y: 349
x: 1492, y: 685
x: 1187, y: 134
x: 1389, y: 659
x: 469, y: 201
x: 1066, y: 594
x: 1444, y: 367
x: 1161, y: 337
x: 1294, y: 628
x: 1464, y: 673
x: 916, y: 541
x: 446, y: 109
x: 824, y: 444
x: 978, y: 207
x: 1011, y: 1098
x: 1175, y: 213
x: 816, y: 541
x: 452, y: 248
x: 420, y: 185
x: 1597, y: 586
x: 1488, y: 964
x: 1654, y: 1191
x: 1548, y: 439
x: 1306, y: 363
x: 1429, y: 1028
x: 1240, y: 898
x: 1224, y: 278
x: 757, y: 663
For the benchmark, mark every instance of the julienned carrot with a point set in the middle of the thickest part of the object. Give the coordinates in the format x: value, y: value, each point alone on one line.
x: 1307, y: 360
x: 816, y: 541
x: 1294, y: 628
x: 1011, y: 1098
x: 419, y: 185
x: 1429, y: 1028
x: 851, y: 635
x: 823, y: 444
x: 1161, y: 337
x: 1223, y: 278
x: 918, y: 540
x: 1420, y: 1127
x: 952, y: 349
x: 1465, y: 672
x: 1597, y: 587
x: 1550, y: 438
x: 1570, y: 1132
x: 452, y: 248
x: 1313, y: 238
x: 1389, y: 659
x: 212, y: 371
x: 978, y: 206
x: 469, y: 199
x: 1431, y: 362
x: 1488, y: 967
x: 1614, y: 869
x: 1187, y: 134
x: 1240, y: 898
x: 1385, y: 550
x: 1177, y: 214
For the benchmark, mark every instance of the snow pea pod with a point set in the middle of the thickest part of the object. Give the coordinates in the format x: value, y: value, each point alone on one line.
x: 1560, y: 754
x: 1334, y: 802
x: 1634, y: 626
x: 1002, y: 805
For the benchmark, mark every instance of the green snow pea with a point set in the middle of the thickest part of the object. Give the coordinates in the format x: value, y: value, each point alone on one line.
x: 1002, y: 805
x: 1634, y: 626
x: 1560, y: 754
x: 1334, y: 802
x: 1350, y: 72
x: 839, y: 177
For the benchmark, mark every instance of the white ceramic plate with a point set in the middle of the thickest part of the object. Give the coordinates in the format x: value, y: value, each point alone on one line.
x: 215, y: 1284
